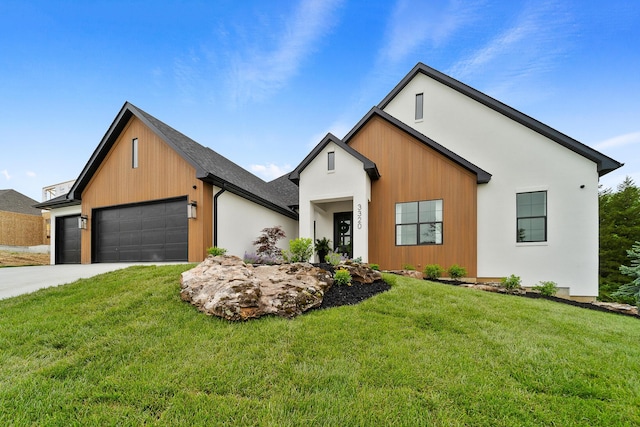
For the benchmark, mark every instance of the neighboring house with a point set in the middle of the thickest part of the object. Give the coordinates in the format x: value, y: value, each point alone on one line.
x: 437, y: 173
x: 20, y: 223
x: 149, y: 193
x: 441, y: 173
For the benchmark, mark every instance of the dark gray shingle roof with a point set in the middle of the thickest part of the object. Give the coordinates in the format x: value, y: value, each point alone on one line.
x: 13, y: 201
x: 210, y: 166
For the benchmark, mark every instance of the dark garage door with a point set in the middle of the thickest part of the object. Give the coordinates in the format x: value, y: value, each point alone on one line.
x: 67, y: 240
x: 144, y: 232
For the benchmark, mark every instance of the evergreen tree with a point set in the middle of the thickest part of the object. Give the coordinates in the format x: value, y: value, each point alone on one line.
x: 631, y: 289
x: 619, y: 229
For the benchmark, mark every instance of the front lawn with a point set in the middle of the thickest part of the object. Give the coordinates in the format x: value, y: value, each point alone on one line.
x: 123, y: 349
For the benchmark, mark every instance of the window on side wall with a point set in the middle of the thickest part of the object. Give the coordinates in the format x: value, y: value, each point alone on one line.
x: 134, y: 153
x: 331, y: 160
x: 531, y: 214
x: 419, y: 223
x: 419, y: 106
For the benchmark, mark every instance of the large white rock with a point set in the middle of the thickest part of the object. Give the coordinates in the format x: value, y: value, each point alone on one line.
x: 225, y: 286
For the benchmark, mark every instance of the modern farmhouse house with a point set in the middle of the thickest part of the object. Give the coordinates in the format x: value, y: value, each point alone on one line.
x: 437, y: 173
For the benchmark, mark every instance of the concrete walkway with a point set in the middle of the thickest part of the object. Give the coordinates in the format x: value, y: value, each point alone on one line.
x: 22, y: 280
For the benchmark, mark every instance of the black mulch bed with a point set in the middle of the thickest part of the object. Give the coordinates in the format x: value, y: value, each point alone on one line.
x: 338, y: 295
x: 536, y: 295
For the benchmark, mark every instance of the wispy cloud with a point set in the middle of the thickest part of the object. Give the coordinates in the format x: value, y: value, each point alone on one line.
x: 6, y: 174
x: 270, y: 171
x: 31, y: 174
x: 414, y: 24
x: 528, y: 47
x: 258, y: 71
x: 619, y: 141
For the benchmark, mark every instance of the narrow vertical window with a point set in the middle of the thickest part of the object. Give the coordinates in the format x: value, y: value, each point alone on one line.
x: 134, y: 153
x: 531, y: 214
x: 419, y: 106
x: 331, y: 160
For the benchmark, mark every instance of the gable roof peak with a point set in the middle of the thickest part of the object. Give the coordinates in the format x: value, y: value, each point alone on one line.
x: 604, y: 163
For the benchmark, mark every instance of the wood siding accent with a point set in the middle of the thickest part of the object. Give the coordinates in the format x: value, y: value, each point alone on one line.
x: 411, y: 171
x: 17, y: 229
x: 161, y: 174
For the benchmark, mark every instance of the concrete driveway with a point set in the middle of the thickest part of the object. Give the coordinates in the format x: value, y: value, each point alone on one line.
x: 23, y: 280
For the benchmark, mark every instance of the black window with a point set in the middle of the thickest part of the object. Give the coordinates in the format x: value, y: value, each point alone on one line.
x: 419, y: 223
x: 531, y: 211
x: 331, y: 160
x: 419, y: 106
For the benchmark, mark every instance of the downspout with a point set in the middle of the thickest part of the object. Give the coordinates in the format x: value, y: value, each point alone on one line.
x: 215, y: 214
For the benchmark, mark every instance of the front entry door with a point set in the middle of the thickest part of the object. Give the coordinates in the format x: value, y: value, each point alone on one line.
x: 343, y: 233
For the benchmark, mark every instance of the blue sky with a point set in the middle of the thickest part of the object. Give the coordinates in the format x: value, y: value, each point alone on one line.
x: 261, y: 82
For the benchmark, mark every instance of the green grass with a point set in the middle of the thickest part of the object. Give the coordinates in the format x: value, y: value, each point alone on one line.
x: 123, y: 349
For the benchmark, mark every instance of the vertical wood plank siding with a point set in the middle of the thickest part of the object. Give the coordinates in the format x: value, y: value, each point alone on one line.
x: 161, y: 173
x: 411, y: 171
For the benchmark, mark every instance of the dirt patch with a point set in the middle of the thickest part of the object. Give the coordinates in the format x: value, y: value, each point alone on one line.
x: 21, y: 259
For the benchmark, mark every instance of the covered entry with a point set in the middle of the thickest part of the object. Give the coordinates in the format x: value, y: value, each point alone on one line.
x: 153, y: 231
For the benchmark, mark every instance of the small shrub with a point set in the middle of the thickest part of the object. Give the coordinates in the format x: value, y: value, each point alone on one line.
x: 300, y: 250
x: 333, y: 258
x: 216, y: 251
x: 511, y: 282
x: 408, y: 267
x: 433, y: 271
x: 267, y: 241
x: 456, y: 272
x: 548, y: 289
x: 375, y: 267
x: 342, y: 277
x: 357, y: 260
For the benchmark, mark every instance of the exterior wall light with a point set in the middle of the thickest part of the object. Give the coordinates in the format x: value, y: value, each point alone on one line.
x: 191, y: 209
x: 82, y: 222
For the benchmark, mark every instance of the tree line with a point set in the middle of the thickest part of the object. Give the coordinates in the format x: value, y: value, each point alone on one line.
x: 619, y: 232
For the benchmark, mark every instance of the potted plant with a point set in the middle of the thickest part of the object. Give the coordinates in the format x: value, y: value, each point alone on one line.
x: 323, y: 247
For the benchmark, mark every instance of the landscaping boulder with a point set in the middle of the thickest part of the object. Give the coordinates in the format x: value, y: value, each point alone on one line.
x: 408, y: 273
x: 225, y: 286
x: 361, y: 272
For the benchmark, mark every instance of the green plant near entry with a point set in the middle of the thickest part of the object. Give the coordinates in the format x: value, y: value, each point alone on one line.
x: 300, y: 250
x: 333, y: 258
x: 456, y: 272
x: 342, y: 277
x: 433, y: 271
x: 357, y: 260
x: 322, y: 247
x: 216, y: 251
x: 512, y: 282
x: 547, y: 288
x: 374, y: 266
x: 631, y: 289
x: 409, y: 267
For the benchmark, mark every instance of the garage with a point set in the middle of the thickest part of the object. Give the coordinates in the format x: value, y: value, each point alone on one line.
x: 154, y: 231
x: 67, y: 240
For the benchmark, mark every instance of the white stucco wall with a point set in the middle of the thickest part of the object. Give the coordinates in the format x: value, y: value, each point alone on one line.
x: 55, y: 213
x: 324, y: 192
x: 240, y: 222
x: 519, y: 160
